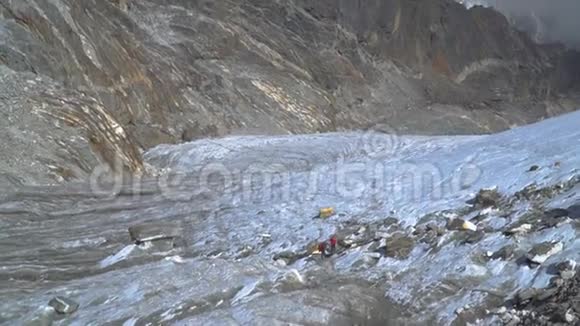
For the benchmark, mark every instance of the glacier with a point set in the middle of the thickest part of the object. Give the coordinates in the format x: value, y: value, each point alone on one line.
x: 243, y: 200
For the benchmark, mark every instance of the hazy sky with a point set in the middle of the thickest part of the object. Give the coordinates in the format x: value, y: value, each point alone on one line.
x: 546, y: 20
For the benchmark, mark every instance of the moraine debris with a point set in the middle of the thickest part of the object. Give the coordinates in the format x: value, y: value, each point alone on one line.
x: 556, y: 305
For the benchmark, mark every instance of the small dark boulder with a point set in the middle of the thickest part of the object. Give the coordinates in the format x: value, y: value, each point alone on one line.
x: 556, y: 213
x: 548, y: 222
x: 486, y: 198
x: 63, y: 305
x: 566, y: 269
x: 505, y: 253
x: 527, y: 295
x: 154, y: 231
x: 472, y: 237
x: 545, y: 294
x: 541, y: 252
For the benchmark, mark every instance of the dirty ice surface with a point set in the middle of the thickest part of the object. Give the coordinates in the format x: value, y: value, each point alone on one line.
x: 243, y: 200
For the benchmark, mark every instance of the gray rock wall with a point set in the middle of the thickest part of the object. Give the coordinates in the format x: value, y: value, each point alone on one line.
x: 112, y: 79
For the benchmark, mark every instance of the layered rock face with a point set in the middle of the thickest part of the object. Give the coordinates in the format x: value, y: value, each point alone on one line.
x: 95, y: 81
x: 542, y: 20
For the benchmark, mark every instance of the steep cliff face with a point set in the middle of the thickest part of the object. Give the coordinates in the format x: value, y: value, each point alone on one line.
x: 544, y: 21
x: 95, y: 81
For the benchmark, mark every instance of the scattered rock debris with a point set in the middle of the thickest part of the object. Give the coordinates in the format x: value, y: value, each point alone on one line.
x: 469, y: 225
x: 533, y: 193
x: 558, y: 304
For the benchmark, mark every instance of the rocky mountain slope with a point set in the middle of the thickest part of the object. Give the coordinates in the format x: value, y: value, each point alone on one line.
x: 89, y: 82
x: 543, y: 21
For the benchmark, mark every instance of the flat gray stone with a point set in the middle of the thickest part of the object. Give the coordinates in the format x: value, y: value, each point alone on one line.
x: 44, y: 316
x: 155, y: 231
x: 541, y: 252
x: 527, y: 294
x: 504, y: 253
x: 567, y: 274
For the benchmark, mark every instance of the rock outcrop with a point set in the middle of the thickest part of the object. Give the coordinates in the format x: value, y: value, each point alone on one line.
x: 95, y: 81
